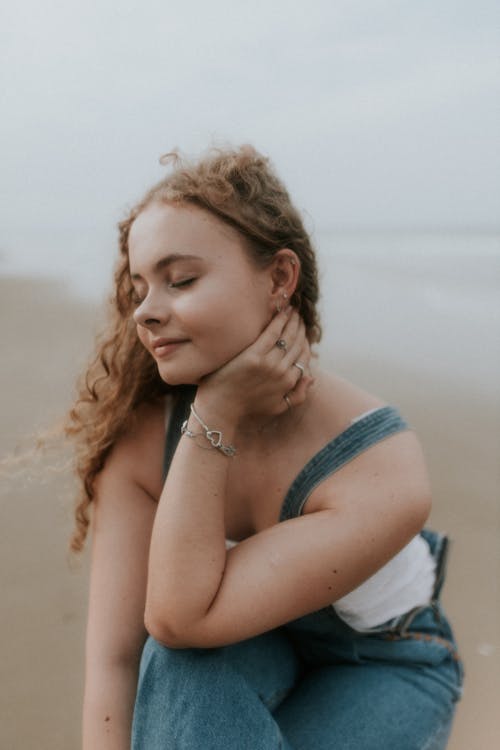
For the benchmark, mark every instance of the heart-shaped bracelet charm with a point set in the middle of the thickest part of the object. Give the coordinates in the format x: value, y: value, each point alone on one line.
x: 214, y: 437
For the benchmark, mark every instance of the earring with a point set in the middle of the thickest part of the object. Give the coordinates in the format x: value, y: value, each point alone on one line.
x: 278, y: 304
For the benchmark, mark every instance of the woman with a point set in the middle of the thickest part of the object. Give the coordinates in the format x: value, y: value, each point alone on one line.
x: 256, y: 520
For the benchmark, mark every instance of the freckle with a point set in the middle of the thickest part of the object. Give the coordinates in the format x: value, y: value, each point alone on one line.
x: 334, y: 571
x: 107, y: 718
x: 329, y: 588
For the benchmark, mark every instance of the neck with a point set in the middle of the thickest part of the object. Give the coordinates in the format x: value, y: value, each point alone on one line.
x: 259, y: 427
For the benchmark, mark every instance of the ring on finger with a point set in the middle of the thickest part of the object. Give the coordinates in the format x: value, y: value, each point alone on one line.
x: 281, y: 344
x: 287, y: 399
x: 300, y: 367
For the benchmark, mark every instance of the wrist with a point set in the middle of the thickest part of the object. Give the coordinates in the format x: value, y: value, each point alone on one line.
x: 216, y: 410
x: 218, y: 434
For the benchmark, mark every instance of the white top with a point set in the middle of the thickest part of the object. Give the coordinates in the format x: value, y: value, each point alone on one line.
x: 406, y: 581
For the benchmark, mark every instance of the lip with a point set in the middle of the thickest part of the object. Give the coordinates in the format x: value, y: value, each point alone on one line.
x: 162, y: 347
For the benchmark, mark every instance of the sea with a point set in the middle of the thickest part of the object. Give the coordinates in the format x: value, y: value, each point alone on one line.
x: 428, y: 298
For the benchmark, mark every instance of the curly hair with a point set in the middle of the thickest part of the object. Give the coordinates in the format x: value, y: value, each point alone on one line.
x: 241, y: 188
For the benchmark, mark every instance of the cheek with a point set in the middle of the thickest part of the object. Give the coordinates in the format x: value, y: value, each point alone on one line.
x: 141, y: 335
x: 216, y: 308
x: 235, y: 311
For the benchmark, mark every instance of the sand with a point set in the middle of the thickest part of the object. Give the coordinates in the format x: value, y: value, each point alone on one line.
x: 45, y: 339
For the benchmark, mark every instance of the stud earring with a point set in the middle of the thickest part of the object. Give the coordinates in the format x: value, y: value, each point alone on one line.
x: 278, y: 304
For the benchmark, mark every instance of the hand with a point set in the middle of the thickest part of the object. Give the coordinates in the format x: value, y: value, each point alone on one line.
x: 256, y: 381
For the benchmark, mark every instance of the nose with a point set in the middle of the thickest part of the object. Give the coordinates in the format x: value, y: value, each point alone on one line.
x: 151, y: 312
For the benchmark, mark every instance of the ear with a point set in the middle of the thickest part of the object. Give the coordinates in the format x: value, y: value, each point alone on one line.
x: 284, y: 273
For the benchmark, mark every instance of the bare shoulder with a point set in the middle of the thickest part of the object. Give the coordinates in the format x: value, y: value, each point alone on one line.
x: 138, y: 454
x: 394, y: 463
x: 341, y: 401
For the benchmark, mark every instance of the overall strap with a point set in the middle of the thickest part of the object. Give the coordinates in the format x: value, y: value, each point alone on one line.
x: 182, y: 399
x: 359, y: 436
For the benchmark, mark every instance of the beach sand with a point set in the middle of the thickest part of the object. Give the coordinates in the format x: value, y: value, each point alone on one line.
x: 45, y: 341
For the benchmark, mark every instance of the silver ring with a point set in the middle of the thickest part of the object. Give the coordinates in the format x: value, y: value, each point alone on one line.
x: 287, y: 399
x: 281, y: 344
x: 301, y: 368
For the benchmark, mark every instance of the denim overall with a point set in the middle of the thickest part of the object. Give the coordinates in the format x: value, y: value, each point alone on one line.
x: 314, y: 683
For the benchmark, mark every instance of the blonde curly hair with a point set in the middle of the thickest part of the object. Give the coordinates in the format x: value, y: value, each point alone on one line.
x: 241, y: 188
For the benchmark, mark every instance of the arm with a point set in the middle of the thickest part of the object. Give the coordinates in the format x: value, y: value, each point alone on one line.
x: 121, y: 527
x: 380, y: 501
x: 188, y: 551
x: 306, y: 563
x: 199, y: 595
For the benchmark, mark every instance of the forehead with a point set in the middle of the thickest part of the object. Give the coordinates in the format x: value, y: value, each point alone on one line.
x: 163, y: 228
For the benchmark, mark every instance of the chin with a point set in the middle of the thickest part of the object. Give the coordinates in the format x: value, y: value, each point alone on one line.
x: 181, y: 376
x: 178, y: 379
x: 188, y: 368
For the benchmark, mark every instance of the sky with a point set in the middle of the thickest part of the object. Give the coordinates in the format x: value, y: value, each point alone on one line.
x: 376, y: 113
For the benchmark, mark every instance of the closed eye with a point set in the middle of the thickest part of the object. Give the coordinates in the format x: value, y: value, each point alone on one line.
x: 138, y: 300
x: 180, y: 284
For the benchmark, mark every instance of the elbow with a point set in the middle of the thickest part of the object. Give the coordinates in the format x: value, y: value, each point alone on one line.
x: 159, y: 626
x: 161, y: 631
x: 165, y: 636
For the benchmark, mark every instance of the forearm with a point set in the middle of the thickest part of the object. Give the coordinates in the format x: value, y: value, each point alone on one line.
x: 188, y: 551
x: 108, y: 708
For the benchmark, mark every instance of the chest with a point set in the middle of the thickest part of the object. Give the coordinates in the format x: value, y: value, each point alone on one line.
x: 256, y: 491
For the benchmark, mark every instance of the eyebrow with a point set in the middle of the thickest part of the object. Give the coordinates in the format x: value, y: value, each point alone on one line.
x: 165, y: 262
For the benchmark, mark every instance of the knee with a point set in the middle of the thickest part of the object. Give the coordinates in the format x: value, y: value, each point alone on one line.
x: 171, y: 683
x: 164, y: 663
x: 157, y: 657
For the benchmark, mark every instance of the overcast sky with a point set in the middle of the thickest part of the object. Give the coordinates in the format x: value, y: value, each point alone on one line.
x: 374, y: 113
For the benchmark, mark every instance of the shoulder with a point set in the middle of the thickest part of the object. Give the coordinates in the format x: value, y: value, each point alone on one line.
x: 138, y: 453
x: 337, y: 402
x: 392, y: 466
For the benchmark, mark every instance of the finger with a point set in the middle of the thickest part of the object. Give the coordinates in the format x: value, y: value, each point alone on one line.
x: 298, y: 395
x: 287, y: 344
x: 287, y: 376
x: 297, y: 343
x: 291, y: 327
x: 303, y: 361
x: 280, y: 348
x: 300, y: 365
x: 274, y: 331
x: 302, y: 382
x: 292, y: 323
x: 298, y: 384
x: 304, y: 357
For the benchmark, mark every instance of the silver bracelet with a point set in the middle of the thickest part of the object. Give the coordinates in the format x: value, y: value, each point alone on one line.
x: 186, y: 431
x: 214, y: 437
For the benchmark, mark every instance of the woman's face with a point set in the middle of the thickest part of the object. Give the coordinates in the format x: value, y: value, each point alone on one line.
x: 201, y: 299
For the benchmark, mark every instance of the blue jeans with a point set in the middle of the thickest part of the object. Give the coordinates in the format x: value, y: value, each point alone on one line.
x: 313, y: 684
